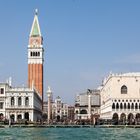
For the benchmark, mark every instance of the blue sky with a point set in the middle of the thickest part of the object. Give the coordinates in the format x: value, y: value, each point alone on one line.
x: 83, y: 40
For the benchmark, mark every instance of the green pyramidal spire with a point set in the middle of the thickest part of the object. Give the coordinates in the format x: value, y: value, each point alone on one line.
x: 35, y: 30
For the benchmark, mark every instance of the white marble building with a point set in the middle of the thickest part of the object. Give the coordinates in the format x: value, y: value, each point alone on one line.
x: 19, y: 103
x: 120, y: 97
x: 59, y: 110
x: 87, y: 104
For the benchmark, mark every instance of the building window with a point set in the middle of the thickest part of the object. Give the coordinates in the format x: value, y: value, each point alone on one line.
x: 121, y: 106
x: 132, y: 106
x: 83, y: 111
x: 124, y: 105
x: 123, y: 89
x: 113, y: 106
x: 31, y: 53
x: 128, y: 106
x: 38, y: 53
x: 136, y: 106
x: 2, y: 91
x: 76, y: 111
x: 19, y: 101
x: 1, y: 105
x: 26, y: 101
x: 1, y: 116
x: 117, y: 106
x: 12, y: 101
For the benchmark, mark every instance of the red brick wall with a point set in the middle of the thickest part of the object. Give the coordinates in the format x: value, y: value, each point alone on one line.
x: 35, y: 73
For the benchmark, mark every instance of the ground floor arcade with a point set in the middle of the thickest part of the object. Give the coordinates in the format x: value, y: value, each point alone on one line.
x: 126, y: 118
x: 16, y: 115
x: 20, y: 115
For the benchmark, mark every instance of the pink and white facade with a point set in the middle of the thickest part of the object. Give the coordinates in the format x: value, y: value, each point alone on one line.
x: 120, y: 97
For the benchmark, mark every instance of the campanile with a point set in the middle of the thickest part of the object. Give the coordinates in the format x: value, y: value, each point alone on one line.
x: 35, y: 57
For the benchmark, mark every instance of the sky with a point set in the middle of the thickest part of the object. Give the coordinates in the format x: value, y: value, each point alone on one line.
x: 84, y: 40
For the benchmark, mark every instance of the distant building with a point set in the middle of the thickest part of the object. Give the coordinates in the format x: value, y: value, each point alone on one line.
x: 120, y: 98
x: 87, y: 104
x: 17, y: 103
x: 59, y: 110
x: 71, y: 113
x: 45, y: 107
x: 49, y: 95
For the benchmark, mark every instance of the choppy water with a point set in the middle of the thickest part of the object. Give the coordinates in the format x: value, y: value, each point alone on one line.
x: 69, y: 134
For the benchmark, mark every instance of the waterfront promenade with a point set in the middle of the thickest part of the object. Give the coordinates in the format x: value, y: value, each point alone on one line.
x: 69, y: 126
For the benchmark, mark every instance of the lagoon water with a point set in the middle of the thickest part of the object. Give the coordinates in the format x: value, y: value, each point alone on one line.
x: 69, y: 134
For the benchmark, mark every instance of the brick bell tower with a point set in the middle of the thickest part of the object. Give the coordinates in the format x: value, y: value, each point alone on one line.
x: 35, y: 57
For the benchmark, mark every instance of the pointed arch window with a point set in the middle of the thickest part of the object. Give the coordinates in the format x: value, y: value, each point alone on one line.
x: 113, y: 106
x: 117, y: 106
x: 128, y: 106
x: 123, y: 89
x: 33, y: 53
x: 132, y: 106
x: 124, y: 105
x: 136, y: 106
x: 121, y: 106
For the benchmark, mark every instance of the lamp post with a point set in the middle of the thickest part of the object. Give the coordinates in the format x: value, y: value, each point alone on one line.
x: 49, y: 94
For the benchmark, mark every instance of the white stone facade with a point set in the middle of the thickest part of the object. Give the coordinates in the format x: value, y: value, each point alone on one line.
x: 87, y: 104
x: 59, y: 109
x: 35, y: 55
x: 19, y: 103
x: 120, y: 97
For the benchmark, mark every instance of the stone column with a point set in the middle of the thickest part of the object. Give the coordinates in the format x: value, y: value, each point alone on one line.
x: 9, y: 115
x: 23, y: 101
x: 30, y: 116
x: 22, y: 115
x: 119, y: 116
x: 49, y: 94
x: 16, y: 101
x: 89, y: 106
